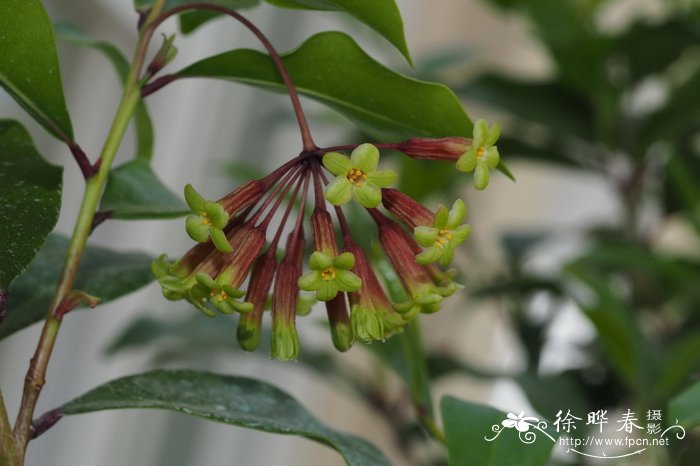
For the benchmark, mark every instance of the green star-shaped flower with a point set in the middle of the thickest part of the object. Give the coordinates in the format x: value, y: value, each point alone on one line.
x: 426, y: 300
x: 209, y: 220
x: 223, y: 297
x: 173, y: 286
x: 482, y: 156
x: 441, y: 239
x: 357, y: 176
x: 330, y: 275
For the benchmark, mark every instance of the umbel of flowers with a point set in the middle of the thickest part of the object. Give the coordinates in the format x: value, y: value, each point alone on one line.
x: 242, y: 256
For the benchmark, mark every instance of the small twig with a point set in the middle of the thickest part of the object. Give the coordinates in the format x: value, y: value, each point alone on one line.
x: 3, y: 304
x: 100, y: 217
x: 307, y: 140
x: 45, y: 422
x: 88, y: 169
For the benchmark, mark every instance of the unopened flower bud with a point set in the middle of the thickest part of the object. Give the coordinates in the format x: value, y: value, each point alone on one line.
x: 250, y: 324
x: 341, y: 333
x: 410, y: 212
x: 446, y: 149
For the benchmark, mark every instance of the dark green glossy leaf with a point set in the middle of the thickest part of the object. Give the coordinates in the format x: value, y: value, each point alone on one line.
x: 548, y: 103
x: 678, y: 116
x: 686, y: 407
x: 134, y: 192
x: 144, y: 128
x: 635, y: 356
x: 29, y: 68
x: 331, y: 68
x: 30, y: 196
x: 103, y: 273
x: 145, y: 5
x: 649, y: 48
x: 192, y: 20
x: 381, y: 15
x: 469, y: 425
x: 186, y: 335
x: 231, y: 400
x: 681, y: 360
x: 549, y: 393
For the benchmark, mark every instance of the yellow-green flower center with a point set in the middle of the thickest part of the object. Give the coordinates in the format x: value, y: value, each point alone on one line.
x: 443, y: 237
x: 222, y: 296
x: 205, y: 219
x: 480, y: 152
x: 356, y: 176
x: 328, y: 274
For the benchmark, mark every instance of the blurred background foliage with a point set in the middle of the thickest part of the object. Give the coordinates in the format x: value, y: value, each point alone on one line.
x: 621, y: 104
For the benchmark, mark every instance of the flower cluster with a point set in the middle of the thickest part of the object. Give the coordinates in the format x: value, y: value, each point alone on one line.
x: 242, y: 256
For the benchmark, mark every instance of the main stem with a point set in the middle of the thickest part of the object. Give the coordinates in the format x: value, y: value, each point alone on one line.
x: 36, y: 375
x: 7, y: 447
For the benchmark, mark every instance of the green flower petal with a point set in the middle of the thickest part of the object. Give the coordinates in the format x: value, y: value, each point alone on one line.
x: 336, y: 163
x: 199, y: 293
x: 310, y: 281
x: 493, y: 135
x: 365, y: 157
x: 425, y: 236
x: 481, y: 133
x: 481, y: 176
x: 467, y: 162
x: 327, y: 291
x: 429, y: 298
x: 368, y: 195
x: 233, y: 292
x: 196, y: 230
x: 429, y: 256
x: 194, y: 200
x: 448, y: 253
x: 216, y: 213
x: 345, y: 261
x: 366, y: 324
x: 220, y: 241
x: 242, y: 306
x: 161, y: 267
x: 441, y: 217
x: 202, y: 306
x: 206, y: 281
x: 224, y: 307
x: 319, y: 261
x: 457, y: 214
x: 338, y: 191
x: 382, y: 178
x: 347, y: 281
x: 461, y: 233
x: 492, y: 157
x: 284, y: 344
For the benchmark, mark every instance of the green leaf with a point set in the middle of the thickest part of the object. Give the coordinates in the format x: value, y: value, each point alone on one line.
x: 649, y: 48
x: 548, y: 103
x: 469, y: 425
x: 103, y: 273
x: 381, y: 15
x: 636, y: 357
x: 331, y: 68
x: 227, y: 399
x: 686, y: 407
x: 192, y: 20
x: 30, y: 196
x: 143, y: 6
x: 144, y: 128
x: 134, y: 192
x: 29, y: 68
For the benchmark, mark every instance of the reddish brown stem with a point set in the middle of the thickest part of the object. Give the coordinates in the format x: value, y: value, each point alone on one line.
x: 307, y: 140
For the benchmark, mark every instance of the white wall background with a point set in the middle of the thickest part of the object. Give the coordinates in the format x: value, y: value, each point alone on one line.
x: 201, y: 124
